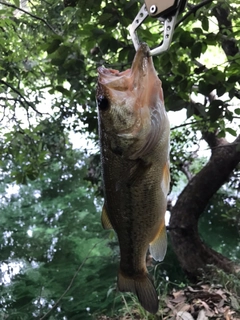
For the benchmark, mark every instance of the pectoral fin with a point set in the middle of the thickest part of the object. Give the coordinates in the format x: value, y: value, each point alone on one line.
x: 166, y: 179
x: 158, y: 246
x: 135, y: 174
x: 138, y: 171
x: 153, y: 136
x: 105, y: 220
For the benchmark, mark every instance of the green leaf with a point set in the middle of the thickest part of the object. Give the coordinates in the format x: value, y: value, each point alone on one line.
x: 237, y: 111
x: 167, y: 67
x: 216, y: 103
x: 231, y: 131
x: 184, y: 84
x: 57, y: 61
x: 63, y: 90
x: 164, y: 59
x: 215, y: 109
x: 190, y: 110
x: 32, y: 174
x: 201, y: 109
x: 205, y: 88
x: 123, y: 54
x: 17, y: 3
x: 205, y: 23
x: 98, y: 32
x: 221, y: 89
x: 175, y: 103
x: 211, y: 38
x: 186, y: 40
x: 104, y: 18
x: 229, y: 115
x: 197, y: 31
x: 196, y: 50
x: 214, y: 76
x: 53, y: 46
x: 221, y: 134
x: 233, y: 78
x: 183, y: 68
x: 20, y: 178
x: 232, y: 93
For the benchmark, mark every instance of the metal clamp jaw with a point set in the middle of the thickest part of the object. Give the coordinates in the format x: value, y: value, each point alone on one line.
x: 166, y: 11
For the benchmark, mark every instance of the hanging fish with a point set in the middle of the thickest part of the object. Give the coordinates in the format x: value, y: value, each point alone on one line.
x: 134, y: 138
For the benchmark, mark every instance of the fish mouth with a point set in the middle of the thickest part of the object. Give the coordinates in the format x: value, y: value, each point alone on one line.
x: 142, y: 66
x: 142, y: 60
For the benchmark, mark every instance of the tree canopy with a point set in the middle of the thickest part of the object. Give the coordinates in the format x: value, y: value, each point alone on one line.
x: 50, y: 52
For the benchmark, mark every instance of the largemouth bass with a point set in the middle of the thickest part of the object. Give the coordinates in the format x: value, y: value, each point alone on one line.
x: 134, y: 140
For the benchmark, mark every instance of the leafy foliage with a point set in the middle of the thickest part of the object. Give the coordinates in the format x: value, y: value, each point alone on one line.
x: 50, y: 229
x: 53, y: 72
x: 219, y: 224
x: 50, y: 52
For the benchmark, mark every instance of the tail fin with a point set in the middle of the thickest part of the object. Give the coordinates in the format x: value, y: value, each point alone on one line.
x: 144, y: 289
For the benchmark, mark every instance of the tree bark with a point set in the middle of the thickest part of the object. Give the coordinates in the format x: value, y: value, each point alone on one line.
x: 222, y: 13
x: 193, y: 254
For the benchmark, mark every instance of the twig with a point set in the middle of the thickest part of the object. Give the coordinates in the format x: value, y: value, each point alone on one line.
x: 187, y: 124
x: 193, y: 10
x: 22, y: 97
x: 71, y: 282
x: 30, y: 14
x: 4, y: 111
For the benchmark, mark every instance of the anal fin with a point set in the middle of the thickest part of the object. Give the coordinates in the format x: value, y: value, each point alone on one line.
x: 158, y: 246
x: 105, y: 220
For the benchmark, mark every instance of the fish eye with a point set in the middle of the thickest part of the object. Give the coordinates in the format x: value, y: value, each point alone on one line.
x: 103, y: 103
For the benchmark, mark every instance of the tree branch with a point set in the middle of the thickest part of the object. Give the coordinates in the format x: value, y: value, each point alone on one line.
x: 21, y: 96
x: 222, y: 15
x: 188, y: 124
x: 190, y: 205
x: 213, y: 141
x: 193, y: 10
x: 4, y: 112
x: 30, y: 14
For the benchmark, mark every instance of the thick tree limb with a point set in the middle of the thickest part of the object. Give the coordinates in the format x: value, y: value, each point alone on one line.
x: 213, y: 141
x: 192, y: 253
x: 222, y: 14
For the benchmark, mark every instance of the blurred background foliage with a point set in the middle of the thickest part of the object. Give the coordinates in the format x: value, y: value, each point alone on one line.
x: 52, y: 243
